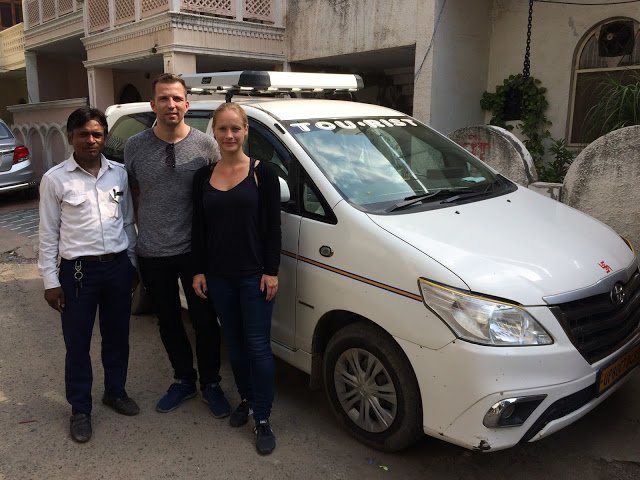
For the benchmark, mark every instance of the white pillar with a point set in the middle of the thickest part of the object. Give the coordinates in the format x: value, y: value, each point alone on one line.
x: 100, y: 87
x: 423, y: 67
x: 175, y: 62
x: 31, y: 68
x: 239, y: 9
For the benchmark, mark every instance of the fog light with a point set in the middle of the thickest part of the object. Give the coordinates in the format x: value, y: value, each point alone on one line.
x: 511, y: 412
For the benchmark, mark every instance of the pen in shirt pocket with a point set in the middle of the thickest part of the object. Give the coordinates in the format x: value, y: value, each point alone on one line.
x: 117, y: 194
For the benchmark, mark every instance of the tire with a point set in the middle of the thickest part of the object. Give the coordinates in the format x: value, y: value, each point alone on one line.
x: 140, y: 301
x: 383, y: 410
x: 31, y: 193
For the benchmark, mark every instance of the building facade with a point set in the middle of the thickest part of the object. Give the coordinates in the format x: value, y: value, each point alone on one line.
x: 430, y: 58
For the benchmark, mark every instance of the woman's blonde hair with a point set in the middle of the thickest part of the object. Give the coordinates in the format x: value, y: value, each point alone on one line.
x: 234, y: 107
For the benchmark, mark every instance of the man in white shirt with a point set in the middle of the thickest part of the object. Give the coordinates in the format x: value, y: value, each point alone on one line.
x: 87, y: 260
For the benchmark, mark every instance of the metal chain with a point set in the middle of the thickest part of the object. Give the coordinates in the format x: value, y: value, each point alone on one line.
x: 527, y: 52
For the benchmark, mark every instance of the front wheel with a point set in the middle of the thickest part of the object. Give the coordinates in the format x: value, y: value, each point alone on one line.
x: 372, y: 388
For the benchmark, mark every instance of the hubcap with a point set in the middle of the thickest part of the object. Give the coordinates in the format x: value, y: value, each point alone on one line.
x: 365, y: 390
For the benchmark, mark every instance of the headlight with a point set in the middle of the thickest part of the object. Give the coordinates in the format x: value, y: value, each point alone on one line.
x: 482, y: 320
x: 629, y: 244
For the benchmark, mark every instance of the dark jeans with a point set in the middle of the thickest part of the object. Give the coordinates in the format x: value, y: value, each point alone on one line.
x: 245, y: 317
x: 160, y: 277
x: 107, y: 286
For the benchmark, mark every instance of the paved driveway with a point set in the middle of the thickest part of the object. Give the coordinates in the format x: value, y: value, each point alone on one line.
x: 23, y: 222
x: 190, y: 443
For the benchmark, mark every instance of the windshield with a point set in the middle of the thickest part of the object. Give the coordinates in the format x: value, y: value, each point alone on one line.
x: 376, y: 164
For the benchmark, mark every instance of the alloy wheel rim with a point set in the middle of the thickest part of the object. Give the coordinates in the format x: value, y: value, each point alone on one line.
x: 365, y: 390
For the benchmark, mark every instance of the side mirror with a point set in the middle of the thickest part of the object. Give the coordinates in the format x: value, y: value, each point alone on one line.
x: 285, y: 194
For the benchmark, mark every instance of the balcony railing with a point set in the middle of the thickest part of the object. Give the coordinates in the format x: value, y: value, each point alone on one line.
x: 107, y: 14
x: 12, y: 48
x: 38, y: 12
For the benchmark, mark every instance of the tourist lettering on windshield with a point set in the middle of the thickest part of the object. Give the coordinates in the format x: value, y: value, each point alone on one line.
x: 353, y: 124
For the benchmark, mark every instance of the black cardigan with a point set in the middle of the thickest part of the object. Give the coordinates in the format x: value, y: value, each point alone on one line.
x: 269, y: 217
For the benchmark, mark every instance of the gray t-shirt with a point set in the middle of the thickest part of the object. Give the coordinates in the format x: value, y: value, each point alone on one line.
x: 165, y: 207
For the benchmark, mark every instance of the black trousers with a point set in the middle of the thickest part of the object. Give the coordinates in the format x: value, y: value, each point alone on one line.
x: 106, y: 286
x: 160, y: 276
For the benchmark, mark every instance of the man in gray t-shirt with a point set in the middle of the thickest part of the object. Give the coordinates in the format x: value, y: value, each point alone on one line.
x: 161, y: 162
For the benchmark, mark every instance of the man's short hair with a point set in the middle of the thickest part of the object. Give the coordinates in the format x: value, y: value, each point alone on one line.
x: 82, y: 115
x: 167, y: 78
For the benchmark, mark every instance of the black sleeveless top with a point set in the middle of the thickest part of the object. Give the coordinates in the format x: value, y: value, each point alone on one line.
x: 232, y: 221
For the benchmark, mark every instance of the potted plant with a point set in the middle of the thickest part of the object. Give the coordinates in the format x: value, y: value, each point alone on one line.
x: 618, y: 105
x: 530, y: 95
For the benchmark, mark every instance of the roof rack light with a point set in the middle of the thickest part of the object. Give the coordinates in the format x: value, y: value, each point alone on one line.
x: 272, y: 82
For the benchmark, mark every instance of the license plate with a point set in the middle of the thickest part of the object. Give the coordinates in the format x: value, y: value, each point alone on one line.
x: 617, y: 369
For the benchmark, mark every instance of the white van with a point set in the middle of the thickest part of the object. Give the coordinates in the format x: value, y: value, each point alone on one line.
x: 424, y: 290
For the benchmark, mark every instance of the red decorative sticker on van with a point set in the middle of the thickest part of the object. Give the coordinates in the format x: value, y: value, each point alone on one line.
x: 605, y: 267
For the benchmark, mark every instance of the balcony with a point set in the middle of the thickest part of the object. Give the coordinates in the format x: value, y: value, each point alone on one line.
x: 50, y: 23
x: 108, y: 14
x: 12, y: 48
x: 158, y: 35
x: 39, y: 12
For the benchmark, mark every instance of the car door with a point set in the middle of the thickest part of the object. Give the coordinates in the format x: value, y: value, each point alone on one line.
x: 317, y: 267
x: 264, y: 146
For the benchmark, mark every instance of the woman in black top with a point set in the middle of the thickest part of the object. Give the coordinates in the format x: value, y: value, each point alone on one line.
x: 236, y: 246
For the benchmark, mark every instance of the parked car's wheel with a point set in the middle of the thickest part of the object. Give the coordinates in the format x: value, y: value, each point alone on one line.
x: 372, y: 388
x: 31, y: 193
x: 140, y: 301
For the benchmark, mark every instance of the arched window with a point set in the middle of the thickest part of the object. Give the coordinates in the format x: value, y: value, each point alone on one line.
x: 129, y: 94
x: 608, y: 55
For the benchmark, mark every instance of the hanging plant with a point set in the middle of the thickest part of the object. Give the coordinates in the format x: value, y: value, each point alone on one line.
x: 530, y: 95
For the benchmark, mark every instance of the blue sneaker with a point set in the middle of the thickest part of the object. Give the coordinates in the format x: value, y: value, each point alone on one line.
x: 213, y: 395
x: 178, y: 392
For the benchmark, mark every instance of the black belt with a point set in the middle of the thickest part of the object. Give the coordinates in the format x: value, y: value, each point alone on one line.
x: 107, y: 257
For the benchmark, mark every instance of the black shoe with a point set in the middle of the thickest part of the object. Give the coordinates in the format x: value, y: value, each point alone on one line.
x: 80, y: 427
x: 240, y: 415
x: 265, y: 439
x: 123, y: 405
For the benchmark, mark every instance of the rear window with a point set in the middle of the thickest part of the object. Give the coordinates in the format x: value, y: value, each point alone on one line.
x: 5, y: 133
x: 125, y: 127
x: 129, y: 125
x: 198, y: 119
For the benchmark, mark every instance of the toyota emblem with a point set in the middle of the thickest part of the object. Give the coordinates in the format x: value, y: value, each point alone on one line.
x: 617, y: 294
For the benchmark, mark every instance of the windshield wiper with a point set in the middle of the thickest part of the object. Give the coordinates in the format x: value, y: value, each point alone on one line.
x: 413, y: 199
x: 477, y: 193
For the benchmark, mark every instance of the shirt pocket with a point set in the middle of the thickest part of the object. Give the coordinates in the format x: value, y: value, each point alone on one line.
x: 110, y: 203
x: 74, y: 199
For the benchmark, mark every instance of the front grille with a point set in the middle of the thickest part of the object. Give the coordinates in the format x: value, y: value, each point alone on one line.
x: 596, y: 326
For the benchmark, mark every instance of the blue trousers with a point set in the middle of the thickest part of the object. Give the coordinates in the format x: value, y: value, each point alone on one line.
x: 245, y: 316
x: 106, y: 286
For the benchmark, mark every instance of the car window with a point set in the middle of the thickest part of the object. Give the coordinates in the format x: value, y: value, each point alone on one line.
x: 5, y: 133
x: 125, y: 127
x: 305, y: 199
x: 198, y: 119
x: 377, y: 163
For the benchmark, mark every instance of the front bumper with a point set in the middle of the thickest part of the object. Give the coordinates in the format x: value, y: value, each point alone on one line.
x: 460, y: 383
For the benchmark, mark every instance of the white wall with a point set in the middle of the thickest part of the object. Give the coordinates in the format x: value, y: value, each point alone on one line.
x: 325, y: 28
x: 460, y: 58
x: 557, y: 30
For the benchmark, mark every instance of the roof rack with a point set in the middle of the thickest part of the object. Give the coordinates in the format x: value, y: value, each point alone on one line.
x: 264, y: 82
